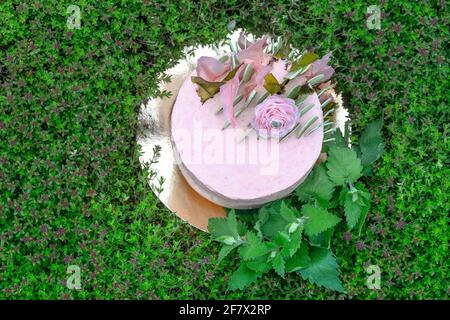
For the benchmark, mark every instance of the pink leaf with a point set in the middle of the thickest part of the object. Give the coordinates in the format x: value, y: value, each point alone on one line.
x: 211, y: 69
x: 228, y: 93
x: 255, y: 53
x: 321, y: 67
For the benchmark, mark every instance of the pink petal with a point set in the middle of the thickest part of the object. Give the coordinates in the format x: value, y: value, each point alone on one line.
x: 228, y: 93
x: 254, y: 53
x: 321, y: 67
x: 211, y: 69
x: 256, y: 79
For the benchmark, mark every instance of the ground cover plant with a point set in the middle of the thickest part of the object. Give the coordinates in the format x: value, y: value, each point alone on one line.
x: 72, y: 191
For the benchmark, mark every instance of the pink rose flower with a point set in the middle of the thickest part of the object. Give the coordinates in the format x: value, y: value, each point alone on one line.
x: 275, y: 117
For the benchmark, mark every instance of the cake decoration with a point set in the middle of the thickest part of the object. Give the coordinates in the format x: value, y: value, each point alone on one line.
x: 236, y: 75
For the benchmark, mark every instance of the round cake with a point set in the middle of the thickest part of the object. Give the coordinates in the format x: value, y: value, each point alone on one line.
x: 263, y: 145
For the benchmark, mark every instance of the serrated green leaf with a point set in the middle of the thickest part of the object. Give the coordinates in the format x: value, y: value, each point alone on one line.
x: 339, y: 140
x: 322, y: 239
x: 206, y: 89
x: 259, y: 264
x: 343, y: 165
x: 318, y: 220
x: 371, y: 143
x: 279, y: 265
x: 242, y: 277
x: 271, y: 220
x: 253, y: 247
x: 355, y: 204
x: 228, y: 240
x: 322, y: 269
x: 352, y: 211
x: 271, y: 84
x: 273, y: 225
x: 299, y: 260
x: 221, y: 228
x: 282, y: 238
x: 288, y: 213
x: 225, y: 251
x: 296, y: 239
x: 316, y: 187
x: 366, y: 197
x: 288, y: 243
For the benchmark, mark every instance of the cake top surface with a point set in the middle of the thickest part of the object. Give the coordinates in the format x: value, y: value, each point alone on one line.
x: 249, y: 127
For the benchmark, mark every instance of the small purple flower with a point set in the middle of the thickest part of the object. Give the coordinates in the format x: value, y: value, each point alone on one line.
x: 275, y: 117
x: 360, y: 245
x: 400, y: 225
x: 68, y: 259
x: 397, y: 28
x: 347, y: 236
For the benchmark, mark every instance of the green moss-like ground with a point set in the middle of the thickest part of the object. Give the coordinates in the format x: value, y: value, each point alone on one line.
x: 72, y: 192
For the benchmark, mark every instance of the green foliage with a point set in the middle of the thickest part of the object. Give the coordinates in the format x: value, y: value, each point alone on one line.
x: 322, y: 269
x: 316, y: 186
x: 278, y: 241
x: 318, y: 220
x: 343, y: 165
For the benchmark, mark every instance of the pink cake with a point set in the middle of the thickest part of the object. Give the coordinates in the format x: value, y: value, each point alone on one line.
x: 232, y: 165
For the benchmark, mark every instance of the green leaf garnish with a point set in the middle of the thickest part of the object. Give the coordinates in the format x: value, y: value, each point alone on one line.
x: 279, y: 265
x: 232, y: 73
x: 306, y: 59
x: 271, y: 237
x: 226, y: 249
x: 271, y: 84
x: 226, y: 229
x: 206, y: 89
x: 356, y: 204
x: 299, y: 260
